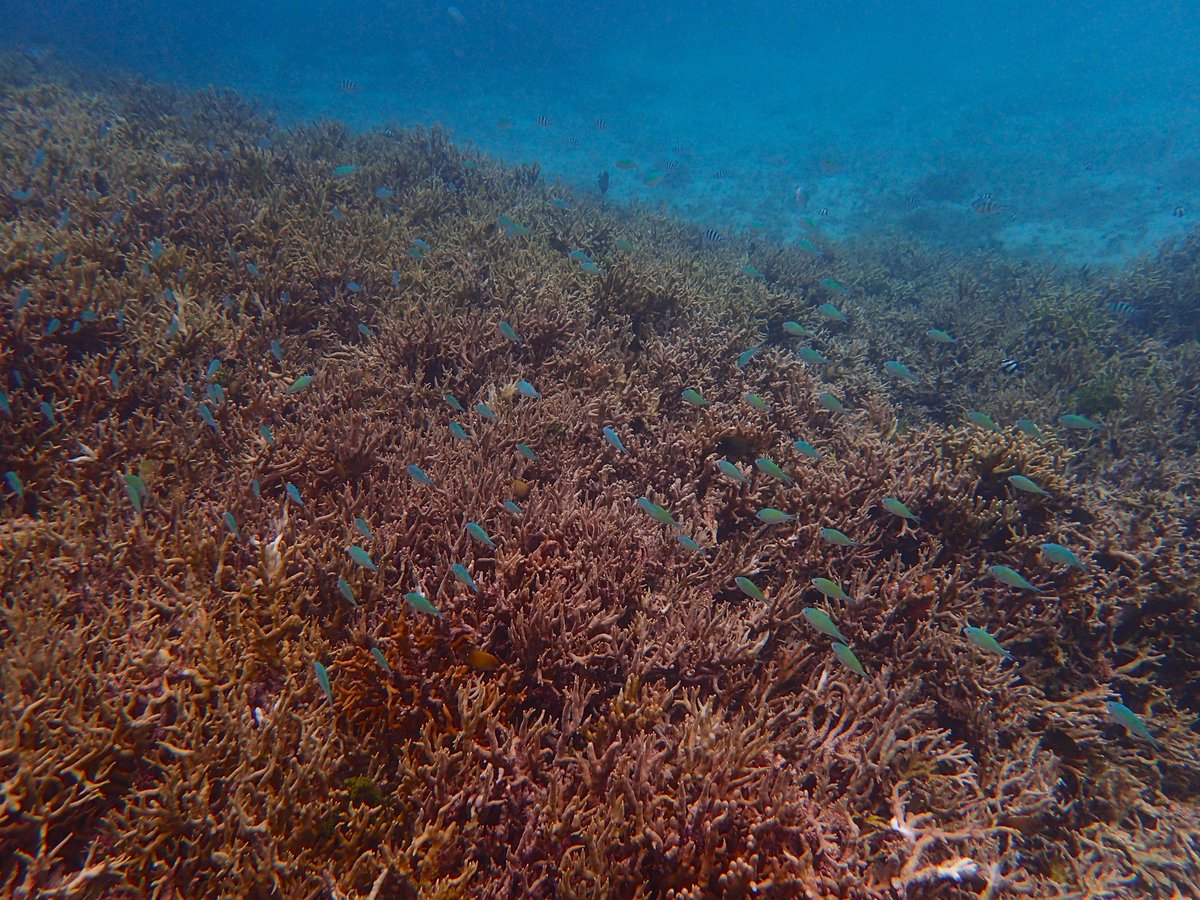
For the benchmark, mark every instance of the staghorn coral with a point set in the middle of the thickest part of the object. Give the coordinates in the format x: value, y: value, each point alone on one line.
x: 609, y: 715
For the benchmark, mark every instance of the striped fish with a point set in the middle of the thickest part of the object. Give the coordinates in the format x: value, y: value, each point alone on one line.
x: 1123, y: 309
x: 349, y: 87
x: 986, y: 205
x: 712, y: 236
x: 1010, y: 366
x: 544, y: 121
x: 601, y: 124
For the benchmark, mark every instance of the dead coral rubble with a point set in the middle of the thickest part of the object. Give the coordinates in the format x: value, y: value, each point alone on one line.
x: 601, y: 712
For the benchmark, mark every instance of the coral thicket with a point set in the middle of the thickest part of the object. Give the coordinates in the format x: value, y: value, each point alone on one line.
x: 603, y: 711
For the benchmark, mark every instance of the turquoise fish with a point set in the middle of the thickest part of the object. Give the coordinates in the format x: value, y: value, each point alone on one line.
x: 1028, y: 485
x: 1063, y: 556
x: 1012, y: 578
x: 749, y: 588
x: 730, y: 471
x: 360, y: 556
x: 612, y: 438
x: 475, y: 530
x: 772, y: 516
x: 821, y: 621
x: 323, y: 681
x: 896, y: 508
x: 420, y: 603
x: 847, y: 658
x: 830, y: 589
x: 769, y: 467
x: 836, y: 537
x: 463, y: 576
x: 985, y: 641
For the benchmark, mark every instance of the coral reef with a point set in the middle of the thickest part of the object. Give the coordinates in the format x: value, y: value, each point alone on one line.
x: 228, y: 347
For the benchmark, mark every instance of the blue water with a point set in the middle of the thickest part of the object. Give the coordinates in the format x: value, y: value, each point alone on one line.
x: 1065, y: 130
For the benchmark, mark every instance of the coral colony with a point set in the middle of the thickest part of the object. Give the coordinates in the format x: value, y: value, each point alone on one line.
x: 376, y: 526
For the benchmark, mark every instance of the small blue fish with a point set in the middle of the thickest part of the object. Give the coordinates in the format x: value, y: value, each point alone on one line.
x: 820, y: 620
x: 689, y: 544
x: 360, y: 556
x: 209, y: 419
x: 23, y: 299
x: 771, y: 516
x: 1027, y: 427
x: 253, y: 270
x: 746, y: 356
x: 421, y: 245
x: 749, y: 588
x: 381, y: 659
x: 347, y: 592
x: 1027, y: 485
x: 256, y: 488
x: 1079, y: 423
x: 833, y: 536
x: 265, y: 431
x: 941, y: 336
x: 353, y: 287
x: 757, y: 401
x: 344, y: 171
x: 795, y: 329
x: 53, y: 325
x: 299, y: 385
x: 985, y: 641
x: 5, y: 406
x: 216, y: 393
x: 361, y: 526
x: 47, y: 411
x: 486, y: 411
x: 512, y: 507
x: 804, y: 448
x: 525, y: 389
x: 293, y: 493
x: 420, y: 603
x: 730, y: 471
x: 847, y: 658
x: 694, y: 397
x: 831, y: 312
x: 418, y: 475
x: 323, y: 681
x: 475, y: 530
x: 463, y: 576
x: 830, y: 402
x: 416, y: 253
x: 899, y: 371
x: 136, y: 488
x: 1012, y: 578
x: 768, y: 467
x: 509, y: 334
x: 453, y: 402
x: 156, y: 250
x: 896, y: 508
x: 213, y: 368
x: 459, y: 433
x: 231, y: 523
x: 982, y: 420
x: 526, y: 451
x: 365, y: 331
x: 1062, y: 556
x: 511, y: 227
x: 657, y: 513
x: 1130, y: 721
x: 613, y: 438
x: 395, y: 278
x: 831, y: 589
x: 277, y: 351
x: 14, y: 483
x: 172, y: 328
x: 811, y: 357
x: 384, y: 193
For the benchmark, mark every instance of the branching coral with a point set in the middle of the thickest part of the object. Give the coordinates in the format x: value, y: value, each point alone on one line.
x: 582, y: 704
